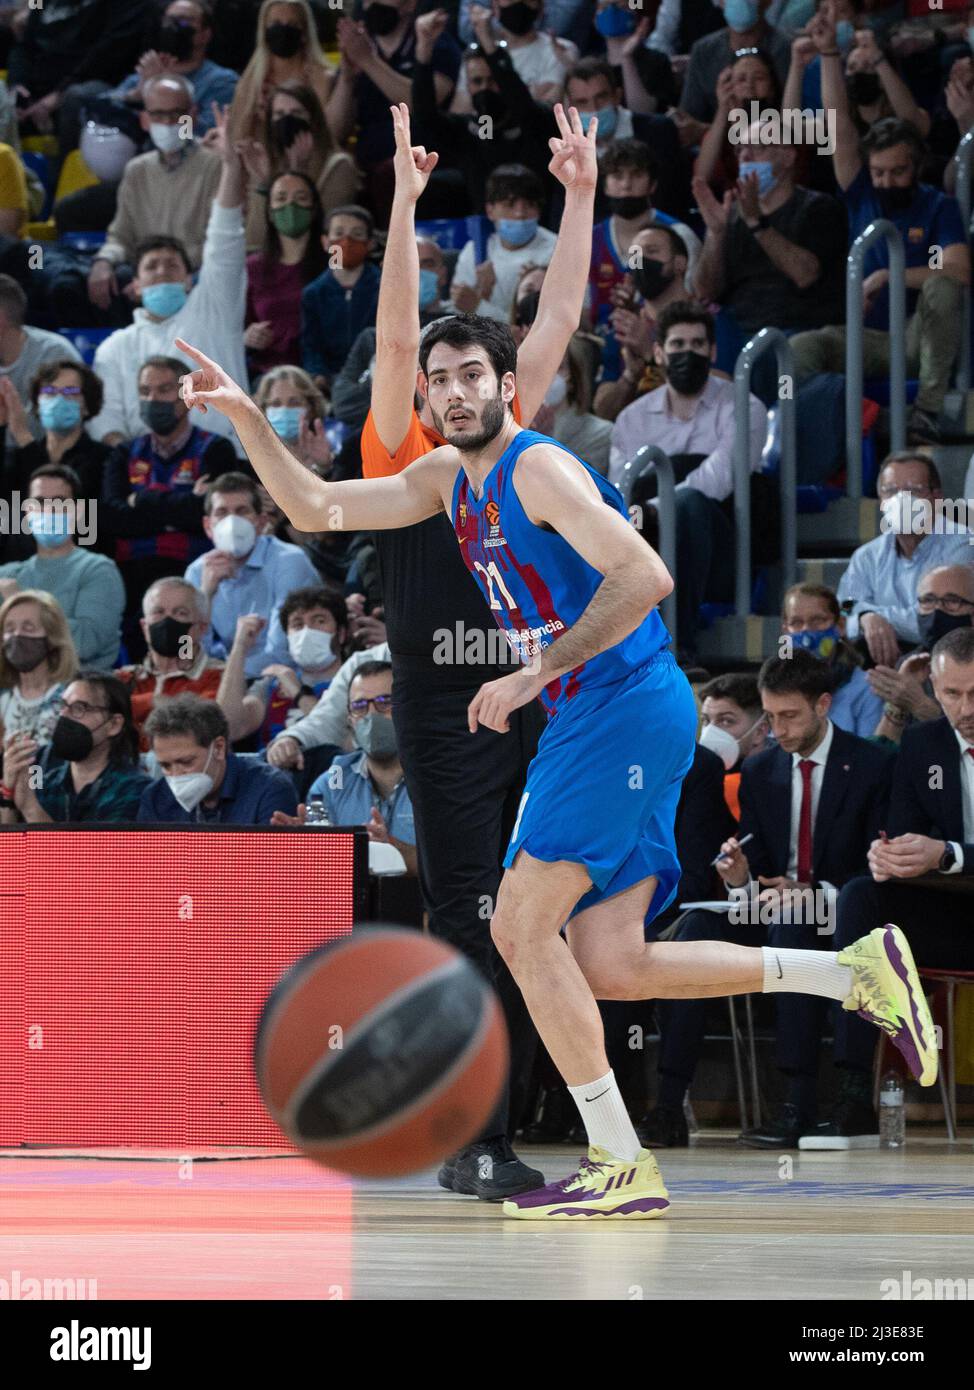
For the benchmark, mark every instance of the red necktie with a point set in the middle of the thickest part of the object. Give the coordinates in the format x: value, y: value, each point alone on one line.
x: 807, y: 767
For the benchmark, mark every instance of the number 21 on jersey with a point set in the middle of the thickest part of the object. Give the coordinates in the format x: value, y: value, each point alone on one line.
x: 493, y: 576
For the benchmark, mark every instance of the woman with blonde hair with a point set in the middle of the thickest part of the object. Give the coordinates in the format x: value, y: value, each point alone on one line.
x: 287, y: 51
x: 296, y: 410
x: 37, y: 660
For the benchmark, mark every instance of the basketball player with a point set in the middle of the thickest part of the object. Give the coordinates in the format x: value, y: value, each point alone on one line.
x: 576, y: 590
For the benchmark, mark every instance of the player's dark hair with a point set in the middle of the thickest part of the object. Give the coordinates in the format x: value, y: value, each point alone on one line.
x: 370, y: 668
x: 303, y: 600
x: 203, y: 720
x: 678, y: 246
x: 124, y: 746
x: 801, y: 673
x: 162, y: 243
x: 232, y: 482
x: 355, y: 210
x: 592, y: 66
x: 685, y: 311
x: 64, y: 474
x: 462, y: 330
x: 739, y: 686
x: 628, y: 154
x: 510, y: 181
x: 890, y: 131
x: 958, y: 645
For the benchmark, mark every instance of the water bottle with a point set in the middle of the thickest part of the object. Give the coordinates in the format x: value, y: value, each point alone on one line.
x: 892, y: 1112
x: 688, y: 1114
x: 316, y: 813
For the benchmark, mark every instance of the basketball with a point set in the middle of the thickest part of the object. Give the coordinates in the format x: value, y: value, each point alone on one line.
x: 380, y: 1054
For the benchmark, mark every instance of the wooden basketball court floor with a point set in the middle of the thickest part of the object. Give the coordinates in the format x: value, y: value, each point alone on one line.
x: 743, y: 1225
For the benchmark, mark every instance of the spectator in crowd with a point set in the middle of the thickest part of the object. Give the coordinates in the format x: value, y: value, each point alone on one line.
x: 692, y: 418
x: 514, y: 202
x: 566, y: 413
x: 945, y: 601
x: 342, y: 300
x: 655, y: 281
x: 560, y: 17
x: 813, y: 621
x: 174, y: 620
x: 326, y: 725
x: 287, y: 51
x: 648, y: 77
x: 776, y: 258
x: 292, y: 257
x: 813, y: 805
x: 15, y: 205
x: 879, y: 177
x: 64, y: 45
x: 434, y: 281
x: 152, y: 497
x: 379, y: 56
x: 629, y: 178
x: 878, y: 590
x: 710, y: 55
x: 167, y: 192
x: 209, y: 314
x: 316, y: 624
x: 245, y: 572
x: 677, y: 26
x: 24, y: 350
x: 930, y: 829
x: 734, y: 726
x: 89, y: 772
x: 63, y: 395
x: 37, y: 659
x: 181, y: 45
x: 351, y: 389
x: 518, y: 127
x: 527, y: 296
x: 750, y: 78
x: 368, y: 787
x: 203, y: 782
x: 88, y: 587
x: 296, y: 140
x: 539, y: 60
x: 296, y: 409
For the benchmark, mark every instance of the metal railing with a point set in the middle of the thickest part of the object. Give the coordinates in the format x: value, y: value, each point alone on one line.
x: 762, y: 342
x: 962, y: 189
x: 650, y: 458
x: 880, y: 229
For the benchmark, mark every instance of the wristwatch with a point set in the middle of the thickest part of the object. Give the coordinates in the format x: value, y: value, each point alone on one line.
x: 761, y: 225
x: 948, y: 859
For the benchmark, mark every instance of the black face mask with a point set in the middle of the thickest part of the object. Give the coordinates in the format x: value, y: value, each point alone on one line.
x: 25, y: 653
x: 489, y: 103
x: 526, y: 310
x: 628, y: 208
x: 166, y: 635
x: 160, y: 416
x: 286, y: 129
x: 652, y: 279
x: 518, y: 19
x: 687, y: 372
x: 176, y: 39
x: 863, y: 88
x: 892, y: 200
x: 284, y: 40
x: 937, y: 624
x: 380, y: 19
x: 71, y: 741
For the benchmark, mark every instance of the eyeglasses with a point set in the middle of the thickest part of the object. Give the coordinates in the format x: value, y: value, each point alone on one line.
x: 77, y: 709
x: 950, y: 603
x: 921, y: 490
x: 381, y: 702
x: 70, y: 391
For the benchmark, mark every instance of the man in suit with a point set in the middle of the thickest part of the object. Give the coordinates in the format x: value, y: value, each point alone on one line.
x: 813, y: 804
x: 922, y: 876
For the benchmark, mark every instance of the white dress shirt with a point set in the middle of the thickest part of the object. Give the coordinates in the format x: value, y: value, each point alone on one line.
x: 818, y: 757
x: 967, y: 801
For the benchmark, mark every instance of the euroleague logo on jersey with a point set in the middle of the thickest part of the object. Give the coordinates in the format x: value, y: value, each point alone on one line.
x: 493, y: 514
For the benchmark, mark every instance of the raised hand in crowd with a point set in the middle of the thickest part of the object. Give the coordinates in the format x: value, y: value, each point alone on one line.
x: 429, y: 27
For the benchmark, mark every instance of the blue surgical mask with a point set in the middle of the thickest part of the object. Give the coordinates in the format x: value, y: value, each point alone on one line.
x: 50, y: 528
x: 821, y: 644
x: 59, y: 414
x: 165, y: 299
x: 845, y: 34
x: 741, y: 14
x: 516, y: 231
x: 608, y: 120
x: 286, y: 420
x: 614, y: 22
x: 764, y: 171
x: 429, y: 288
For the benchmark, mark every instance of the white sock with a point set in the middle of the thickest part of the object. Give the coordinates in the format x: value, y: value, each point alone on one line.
x: 805, y: 972
x: 606, y: 1118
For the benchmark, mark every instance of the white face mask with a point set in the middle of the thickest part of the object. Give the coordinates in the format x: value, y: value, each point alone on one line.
x: 190, y: 788
x: 311, y: 648
x: 556, y: 392
x: 235, y: 535
x: 166, y: 138
x: 724, y: 744
x: 903, y: 514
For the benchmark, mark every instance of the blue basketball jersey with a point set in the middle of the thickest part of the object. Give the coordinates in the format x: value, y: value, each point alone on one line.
x: 535, y: 583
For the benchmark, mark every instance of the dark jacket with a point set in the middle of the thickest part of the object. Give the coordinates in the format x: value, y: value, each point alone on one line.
x: 333, y: 317
x: 703, y: 823
x: 926, y: 798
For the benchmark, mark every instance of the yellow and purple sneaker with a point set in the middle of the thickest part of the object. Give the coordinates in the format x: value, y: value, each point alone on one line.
x: 603, y: 1186
x: 886, y: 990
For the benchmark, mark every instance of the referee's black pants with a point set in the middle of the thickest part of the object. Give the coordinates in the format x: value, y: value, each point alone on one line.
x: 465, y: 789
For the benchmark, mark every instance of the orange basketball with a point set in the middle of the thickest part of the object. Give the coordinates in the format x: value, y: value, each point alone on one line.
x: 381, y: 1053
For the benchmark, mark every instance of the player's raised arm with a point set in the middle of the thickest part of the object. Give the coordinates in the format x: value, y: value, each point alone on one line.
x: 573, y: 163
x: 310, y: 503
x: 556, y: 490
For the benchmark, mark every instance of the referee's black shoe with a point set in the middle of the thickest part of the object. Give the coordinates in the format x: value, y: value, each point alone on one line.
x: 490, y: 1170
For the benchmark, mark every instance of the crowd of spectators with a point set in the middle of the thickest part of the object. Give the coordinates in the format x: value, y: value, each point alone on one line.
x: 175, y: 651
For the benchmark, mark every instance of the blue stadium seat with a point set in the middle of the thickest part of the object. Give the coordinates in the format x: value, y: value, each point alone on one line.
x: 86, y: 340
x: 453, y: 233
x: 876, y: 388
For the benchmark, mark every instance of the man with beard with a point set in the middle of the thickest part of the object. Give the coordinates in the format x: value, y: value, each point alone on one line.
x: 575, y: 589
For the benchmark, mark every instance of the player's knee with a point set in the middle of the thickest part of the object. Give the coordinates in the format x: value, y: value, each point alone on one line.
x: 504, y: 935
x: 610, y: 977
